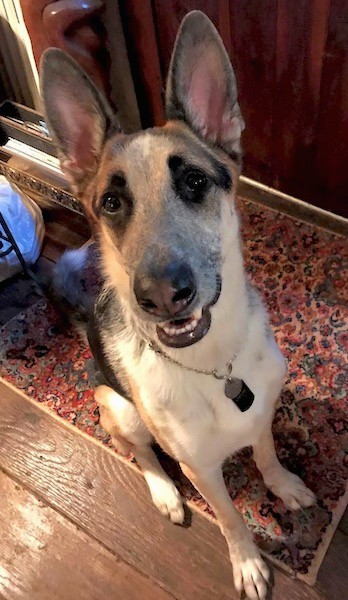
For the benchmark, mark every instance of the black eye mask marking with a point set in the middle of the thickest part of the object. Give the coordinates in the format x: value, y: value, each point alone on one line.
x: 116, y: 204
x: 191, y: 183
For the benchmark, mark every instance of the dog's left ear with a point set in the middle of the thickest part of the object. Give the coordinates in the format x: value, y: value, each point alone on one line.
x: 201, y: 87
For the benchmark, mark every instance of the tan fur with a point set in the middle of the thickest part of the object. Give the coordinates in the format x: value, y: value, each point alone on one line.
x: 108, y: 421
x: 150, y: 424
x: 112, y: 262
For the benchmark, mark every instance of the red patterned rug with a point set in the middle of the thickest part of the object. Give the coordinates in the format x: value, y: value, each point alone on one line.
x: 301, y: 271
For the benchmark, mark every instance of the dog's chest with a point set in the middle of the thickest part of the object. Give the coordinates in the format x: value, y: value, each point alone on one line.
x: 197, y: 419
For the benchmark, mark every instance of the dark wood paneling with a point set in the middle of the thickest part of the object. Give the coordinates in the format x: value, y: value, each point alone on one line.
x: 45, y: 557
x: 301, y: 40
x: 139, y: 29
x: 109, y: 501
x: 332, y: 141
x: 253, y: 32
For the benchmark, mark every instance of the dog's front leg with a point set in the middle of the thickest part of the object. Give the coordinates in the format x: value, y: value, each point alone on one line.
x: 250, y: 572
x: 287, y: 486
x: 121, y: 419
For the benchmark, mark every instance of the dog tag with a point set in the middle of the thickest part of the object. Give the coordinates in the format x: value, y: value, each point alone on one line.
x: 238, y: 391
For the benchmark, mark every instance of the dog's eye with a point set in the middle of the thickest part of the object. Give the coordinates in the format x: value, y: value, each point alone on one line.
x: 196, y: 181
x: 111, y: 203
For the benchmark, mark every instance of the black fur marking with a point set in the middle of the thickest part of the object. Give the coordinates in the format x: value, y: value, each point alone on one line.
x: 107, y: 319
x: 223, y: 177
x: 179, y: 169
x: 200, y: 145
x: 107, y: 375
x: 175, y: 162
x: 118, y: 180
x: 117, y: 186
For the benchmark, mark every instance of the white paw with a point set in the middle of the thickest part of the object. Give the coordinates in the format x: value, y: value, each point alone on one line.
x: 167, y: 499
x: 251, y: 574
x: 291, y: 489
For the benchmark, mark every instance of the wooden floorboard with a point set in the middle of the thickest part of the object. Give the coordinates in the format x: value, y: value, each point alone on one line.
x: 109, y: 501
x: 46, y: 557
x: 343, y: 526
x: 65, y: 228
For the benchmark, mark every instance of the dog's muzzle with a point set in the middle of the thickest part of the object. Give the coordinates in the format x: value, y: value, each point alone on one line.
x: 168, y: 294
x: 179, y: 333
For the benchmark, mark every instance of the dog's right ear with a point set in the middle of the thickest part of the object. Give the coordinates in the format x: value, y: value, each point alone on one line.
x: 78, y: 117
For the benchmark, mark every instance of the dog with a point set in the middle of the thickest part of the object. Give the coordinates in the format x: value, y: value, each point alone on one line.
x: 181, y: 338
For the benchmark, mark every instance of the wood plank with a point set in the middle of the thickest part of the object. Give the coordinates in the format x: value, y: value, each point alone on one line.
x: 332, y: 581
x: 332, y: 144
x: 343, y: 526
x: 45, y: 556
x: 301, y: 39
x: 64, y: 229
x: 140, y: 36
x: 108, y: 499
x: 253, y: 33
x: 298, y: 209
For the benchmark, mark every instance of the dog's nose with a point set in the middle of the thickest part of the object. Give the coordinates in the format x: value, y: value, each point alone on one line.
x: 168, y: 294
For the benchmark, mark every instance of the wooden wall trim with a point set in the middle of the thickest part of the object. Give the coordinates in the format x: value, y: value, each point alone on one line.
x: 299, y: 209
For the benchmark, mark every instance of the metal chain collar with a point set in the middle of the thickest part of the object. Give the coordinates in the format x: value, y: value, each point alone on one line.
x: 213, y: 373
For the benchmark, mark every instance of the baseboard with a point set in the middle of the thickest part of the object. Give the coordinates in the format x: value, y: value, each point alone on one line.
x: 267, y: 196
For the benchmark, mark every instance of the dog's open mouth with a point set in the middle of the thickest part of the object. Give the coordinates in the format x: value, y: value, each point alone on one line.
x: 184, y: 332
x: 179, y: 333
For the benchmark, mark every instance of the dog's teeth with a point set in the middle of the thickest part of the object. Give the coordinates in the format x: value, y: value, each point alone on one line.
x: 191, y: 326
x: 179, y: 330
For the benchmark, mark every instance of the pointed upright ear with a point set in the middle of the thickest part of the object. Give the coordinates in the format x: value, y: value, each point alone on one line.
x: 77, y: 115
x: 201, y: 88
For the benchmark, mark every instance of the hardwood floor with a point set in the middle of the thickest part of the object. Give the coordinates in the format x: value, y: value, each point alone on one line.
x: 77, y: 522
x: 46, y: 556
x: 98, y: 529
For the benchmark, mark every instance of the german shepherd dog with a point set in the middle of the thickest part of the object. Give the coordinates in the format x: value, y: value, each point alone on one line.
x: 182, y: 339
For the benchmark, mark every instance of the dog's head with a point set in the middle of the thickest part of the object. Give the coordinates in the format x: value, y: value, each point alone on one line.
x: 159, y: 201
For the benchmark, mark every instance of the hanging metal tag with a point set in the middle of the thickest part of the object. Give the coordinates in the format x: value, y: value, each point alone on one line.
x: 238, y: 391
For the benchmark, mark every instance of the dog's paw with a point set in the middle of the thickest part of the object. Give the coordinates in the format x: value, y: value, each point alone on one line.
x: 291, y: 489
x: 167, y: 499
x: 251, y: 574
